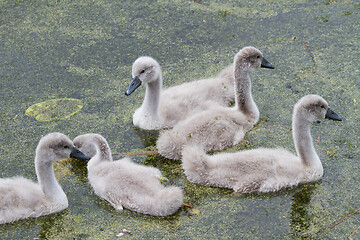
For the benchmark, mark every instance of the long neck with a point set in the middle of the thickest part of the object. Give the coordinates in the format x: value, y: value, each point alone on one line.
x: 152, y: 96
x: 103, y: 152
x: 47, y: 179
x: 243, y: 98
x: 303, y: 142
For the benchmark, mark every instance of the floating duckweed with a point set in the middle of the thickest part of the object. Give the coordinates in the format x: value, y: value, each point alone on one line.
x: 61, y: 169
x: 194, y: 211
x: 331, y: 152
x: 163, y: 179
x: 54, y: 109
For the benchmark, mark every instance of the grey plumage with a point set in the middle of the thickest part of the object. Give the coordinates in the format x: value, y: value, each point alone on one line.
x: 22, y: 198
x: 162, y: 108
x: 218, y: 127
x: 124, y: 183
x: 263, y: 170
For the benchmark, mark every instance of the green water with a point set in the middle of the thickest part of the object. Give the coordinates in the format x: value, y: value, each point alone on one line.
x: 84, y: 50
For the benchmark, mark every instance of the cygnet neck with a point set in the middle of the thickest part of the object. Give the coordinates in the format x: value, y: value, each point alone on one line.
x: 103, y: 152
x: 46, y: 177
x: 243, y: 98
x: 152, y: 96
x: 303, y: 141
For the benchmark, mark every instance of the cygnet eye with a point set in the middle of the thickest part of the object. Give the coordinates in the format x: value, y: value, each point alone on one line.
x: 258, y: 56
x: 66, y: 146
x: 322, y: 106
x: 142, y: 71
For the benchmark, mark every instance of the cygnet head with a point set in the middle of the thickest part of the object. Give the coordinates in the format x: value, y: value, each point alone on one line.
x: 251, y: 58
x: 57, y: 146
x: 91, y: 143
x: 85, y: 146
x: 144, y: 70
x: 312, y: 107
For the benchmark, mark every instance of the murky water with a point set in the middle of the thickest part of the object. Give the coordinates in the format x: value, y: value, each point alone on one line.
x: 84, y: 50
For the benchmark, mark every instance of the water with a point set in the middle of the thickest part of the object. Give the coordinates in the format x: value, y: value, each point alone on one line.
x: 84, y: 50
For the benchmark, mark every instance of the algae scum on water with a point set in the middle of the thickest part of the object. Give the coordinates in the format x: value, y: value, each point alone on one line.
x: 54, y: 109
x: 66, y: 64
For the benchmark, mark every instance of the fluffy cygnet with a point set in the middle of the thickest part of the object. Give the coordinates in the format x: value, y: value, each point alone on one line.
x: 219, y: 126
x: 124, y: 183
x: 164, y: 108
x: 264, y: 170
x: 22, y: 198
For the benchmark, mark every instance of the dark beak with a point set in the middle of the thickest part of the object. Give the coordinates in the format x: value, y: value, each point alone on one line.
x: 332, y: 115
x: 266, y: 64
x: 135, y: 83
x: 76, y: 153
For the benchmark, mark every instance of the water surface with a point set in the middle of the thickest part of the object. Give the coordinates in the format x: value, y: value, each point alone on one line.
x: 84, y: 50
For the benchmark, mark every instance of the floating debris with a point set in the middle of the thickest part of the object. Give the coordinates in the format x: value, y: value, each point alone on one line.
x: 344, y: 218
x: 123, y: 233
x: 136, y: 154
x: 353, y: 233
x: 192, y: 210
x: 54, y: 109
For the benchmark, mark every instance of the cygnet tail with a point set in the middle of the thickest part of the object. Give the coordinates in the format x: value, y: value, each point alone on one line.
x: 195, y: 163
x: 170, y: 144
x: 166, y: 202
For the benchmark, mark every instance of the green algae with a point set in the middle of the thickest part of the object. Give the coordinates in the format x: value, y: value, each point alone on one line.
x: 54, y: 109
x: 84, y: 50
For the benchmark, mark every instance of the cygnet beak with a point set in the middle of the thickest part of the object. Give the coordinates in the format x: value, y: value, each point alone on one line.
x: 332, y: 115
x: 76, y: 153
x: 135, y: 83
x: 266, y: 64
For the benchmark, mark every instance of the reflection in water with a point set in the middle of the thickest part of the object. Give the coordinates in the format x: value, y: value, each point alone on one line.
x: 79, y: 169
x: 51, y: 224
x: 71, y: 166
x: 147, y: 137
x: 300, y: 220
